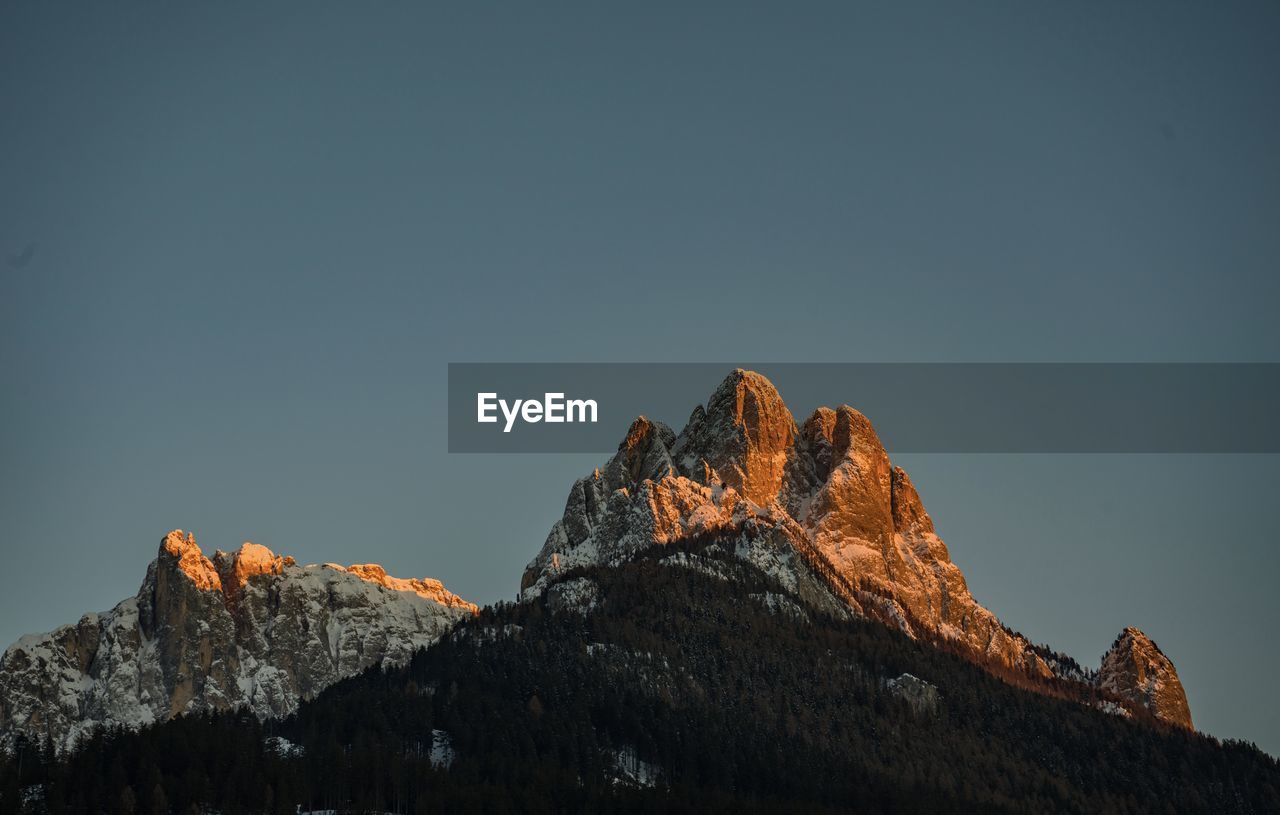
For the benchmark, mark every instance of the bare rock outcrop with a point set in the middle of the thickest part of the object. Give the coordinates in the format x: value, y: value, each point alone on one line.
x: 1136, y: 670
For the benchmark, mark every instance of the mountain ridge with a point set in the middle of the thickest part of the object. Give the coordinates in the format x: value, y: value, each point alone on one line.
x: 248, y: 628
x: 817, y: 506
x: 821, y: 497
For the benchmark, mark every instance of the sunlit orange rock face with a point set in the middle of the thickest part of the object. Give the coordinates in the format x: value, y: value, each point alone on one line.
x: 425, y: 587
x: 1135, y: 669
x: 746, y: 436
x: 235, y: 569
x: 245, y: 628
x: 190, y: 560
x: 819, y: 505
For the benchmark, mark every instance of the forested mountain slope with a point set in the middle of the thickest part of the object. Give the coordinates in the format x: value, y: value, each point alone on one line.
x: 684, y: 680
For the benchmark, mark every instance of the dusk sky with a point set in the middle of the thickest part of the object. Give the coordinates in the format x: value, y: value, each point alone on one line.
x: 241, y: 242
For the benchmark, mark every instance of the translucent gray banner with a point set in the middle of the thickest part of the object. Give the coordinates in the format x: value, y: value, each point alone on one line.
x: 916, y: 407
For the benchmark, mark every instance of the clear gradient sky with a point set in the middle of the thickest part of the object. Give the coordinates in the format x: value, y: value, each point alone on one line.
x: 242, y: 241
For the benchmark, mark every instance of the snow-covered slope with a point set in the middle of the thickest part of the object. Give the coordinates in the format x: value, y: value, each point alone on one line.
x: 819, y: 506
x: 245, y: 628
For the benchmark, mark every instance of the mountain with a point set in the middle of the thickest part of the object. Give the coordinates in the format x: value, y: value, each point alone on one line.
x: 241, y: 629
x: 684, y: 679
x: 820, y: 507
x: 749, y: 616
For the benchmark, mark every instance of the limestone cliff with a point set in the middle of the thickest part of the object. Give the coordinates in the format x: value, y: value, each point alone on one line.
x: 246, y: 628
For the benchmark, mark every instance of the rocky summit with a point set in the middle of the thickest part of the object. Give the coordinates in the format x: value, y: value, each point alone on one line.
x: 241, y: 629
x: 1137, y: 670
x: 820, y: 507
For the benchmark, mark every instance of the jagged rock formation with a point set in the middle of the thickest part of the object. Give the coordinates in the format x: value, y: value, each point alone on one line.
x: 819, y: 506
x: 1135, y: 669
x: 245, y: 628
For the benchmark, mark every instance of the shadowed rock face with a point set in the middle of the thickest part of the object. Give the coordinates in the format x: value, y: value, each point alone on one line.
x: 246, y: 628
x: 1137, y: 670
x: 819, y: 506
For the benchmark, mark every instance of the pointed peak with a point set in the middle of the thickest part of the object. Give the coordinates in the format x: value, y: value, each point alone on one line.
x: 820, y: 422
x: 834, y: 435
x: 1136, y: 669
x: 642, y: 433
x: 645, y: 453
x: 745, y: 375
x: 746, y: 434
x: 854, y: 430
x: 740, y: 383
x: 177, y: 542
x: 854, y: 417
x: 181, y: 548
x: 842, y: 428
x: 1127, y: 635
x: 1134, y: 639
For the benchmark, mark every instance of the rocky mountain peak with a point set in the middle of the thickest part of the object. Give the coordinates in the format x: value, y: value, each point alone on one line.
x: 854, y: 477
x: 821, y: 508
x: 1135, y: 669
x: 179, y: 551
x: 746, y: 435
x: 834, y: 435
x: 645, y: 452
x: 818, y: 433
